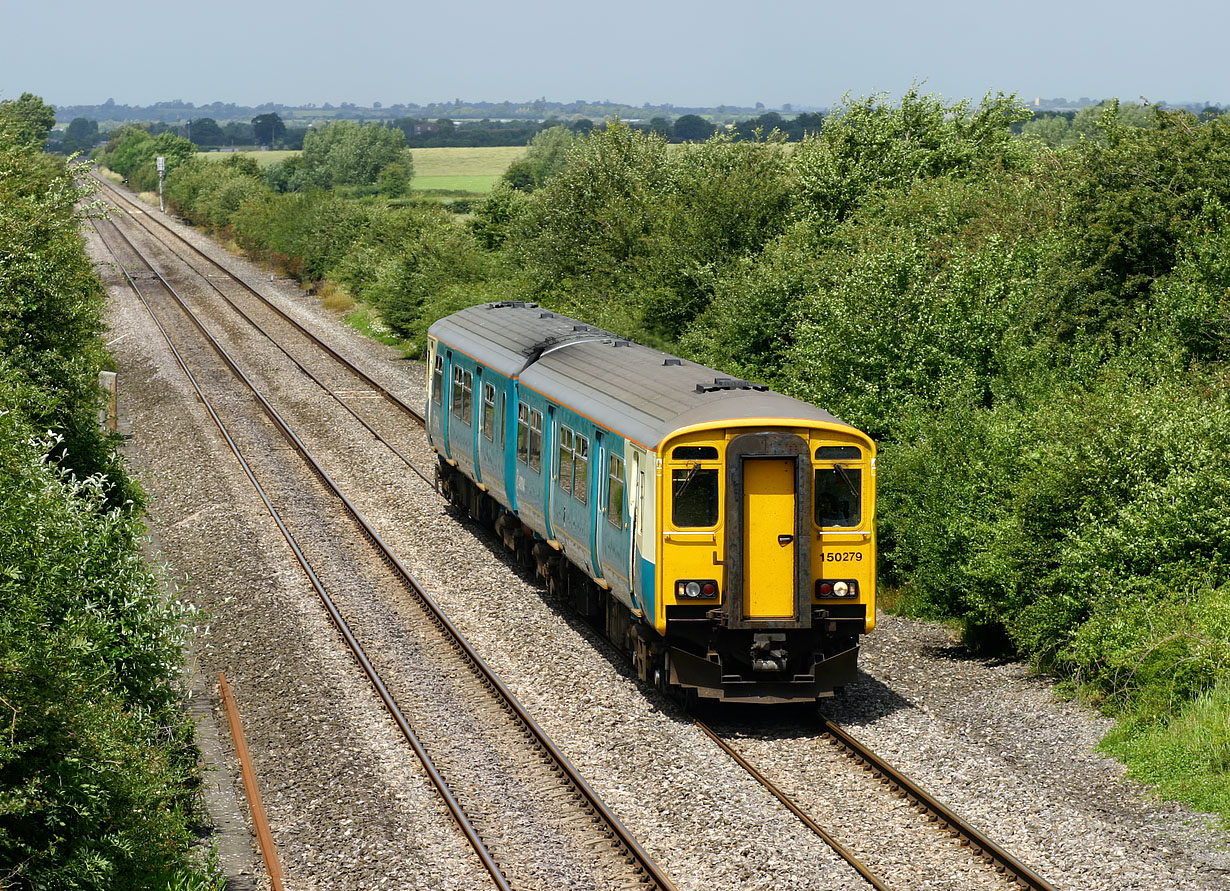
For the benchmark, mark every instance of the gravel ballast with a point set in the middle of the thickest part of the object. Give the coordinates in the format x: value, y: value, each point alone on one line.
x: 988, y: 738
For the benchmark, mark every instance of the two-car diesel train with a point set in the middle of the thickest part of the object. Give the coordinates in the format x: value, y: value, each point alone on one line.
x: 722, y: 533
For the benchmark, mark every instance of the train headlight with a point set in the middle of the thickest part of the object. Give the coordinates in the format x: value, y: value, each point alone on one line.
x: 829, y: 588
x: 696, y: 589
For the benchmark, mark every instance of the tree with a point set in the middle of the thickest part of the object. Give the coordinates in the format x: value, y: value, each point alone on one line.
x: 692, y: 128
x: 26, y: 122
x: 547, y: 154
x: 268, y: 128
x: 345, y: 153
x: 80, y: 136
x: 206, y: 131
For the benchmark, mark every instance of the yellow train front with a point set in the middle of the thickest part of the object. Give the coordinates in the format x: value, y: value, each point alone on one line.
x: 719, y: 532
x: 766, y: 556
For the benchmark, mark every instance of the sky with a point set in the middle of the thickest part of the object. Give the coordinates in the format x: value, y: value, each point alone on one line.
x: 681, y: 52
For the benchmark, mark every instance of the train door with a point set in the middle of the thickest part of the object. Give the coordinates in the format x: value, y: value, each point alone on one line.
x: 769, y: 551
x: 480, y: 409
x: 768, y: 531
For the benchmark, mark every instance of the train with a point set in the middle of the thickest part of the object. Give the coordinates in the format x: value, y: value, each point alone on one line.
x: 721, y: 533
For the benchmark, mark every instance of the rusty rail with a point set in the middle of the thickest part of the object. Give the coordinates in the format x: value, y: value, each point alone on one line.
x: 251, y: 789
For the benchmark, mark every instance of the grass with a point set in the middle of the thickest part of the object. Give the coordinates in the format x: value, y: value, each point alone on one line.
x: 1187, y: 757
x: 367, y: 321
x: 469, y: 171
x: 466, y: 185
x: 264, y: 159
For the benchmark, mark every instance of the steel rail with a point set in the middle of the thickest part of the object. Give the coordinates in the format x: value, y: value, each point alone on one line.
x: 492, y: 681
x: 374, y: 384
x: 307, y: 372
x: 841, y: 850
x: 437, y: 780
x: 269, y: 851
x: 980, y: 844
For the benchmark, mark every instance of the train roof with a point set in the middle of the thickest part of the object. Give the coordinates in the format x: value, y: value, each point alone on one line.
x: 639, y: 392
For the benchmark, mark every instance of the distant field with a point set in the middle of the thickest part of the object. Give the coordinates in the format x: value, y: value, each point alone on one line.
x: 451, y: 169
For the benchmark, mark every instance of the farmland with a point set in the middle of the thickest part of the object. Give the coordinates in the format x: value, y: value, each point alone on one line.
x: 472, y: 170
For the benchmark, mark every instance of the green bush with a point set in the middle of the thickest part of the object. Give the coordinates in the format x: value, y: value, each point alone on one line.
x: 97, y: 768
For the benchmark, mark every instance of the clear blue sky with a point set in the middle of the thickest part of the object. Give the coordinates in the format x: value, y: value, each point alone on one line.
x: 684, y: 52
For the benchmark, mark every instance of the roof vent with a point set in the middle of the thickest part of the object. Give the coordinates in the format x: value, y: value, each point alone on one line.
x: 672, y: 361
x: 511, y: 304
x: 581, y: 328
x: 618, y: 343
x: 546, y: 315
x: 729, y: 383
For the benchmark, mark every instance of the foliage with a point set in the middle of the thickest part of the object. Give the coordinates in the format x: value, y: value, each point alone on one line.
x: 868, y: 146
x: 268, y: 128
x: 50, y: 308
x: 545, y: 157
x: 81, y: 135
x: 132, y: 152
x: 344, y: 153
x: 1037, y: 337
x: 306, y: 233
x: 97, y: 769
x: 410, y: 258
x: 26, y: 121
x: 1133, y: 200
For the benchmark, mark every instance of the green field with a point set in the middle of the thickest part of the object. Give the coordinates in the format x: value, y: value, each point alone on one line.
x: 474, y: 170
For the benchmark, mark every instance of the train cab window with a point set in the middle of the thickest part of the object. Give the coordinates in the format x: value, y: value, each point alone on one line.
x: 463, y: 395
x: 503, y: 415
x: 437, y: 381
x: 564, y: 466
x: 838, y: 494
x: 523, y: 434
x: 489, y: 412
x: 694, y: 453
x: 580, y: 479
x: 535, y: 444
x: 838, y: 453
x: 694, y: 496
x: 615, y: 492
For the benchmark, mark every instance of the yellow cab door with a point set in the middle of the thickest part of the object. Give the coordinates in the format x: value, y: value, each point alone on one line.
x: 769, y: 547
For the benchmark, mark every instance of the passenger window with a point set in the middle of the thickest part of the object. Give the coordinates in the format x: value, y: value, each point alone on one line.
x: 503, y: 415
x: 489, y: 412
x: 565, y: 459
x: 695, y: 496
x: 523, y: 434
x: 580, y: 483
x: 457, y: 398
x: 535, y: 440
x: 615, y: 492
x: 463, y: 395
x: 839, y: 500
x: 437, y: 381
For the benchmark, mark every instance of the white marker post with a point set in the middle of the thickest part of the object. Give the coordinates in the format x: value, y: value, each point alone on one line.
x: 111, y: 414
x: 162, y: 169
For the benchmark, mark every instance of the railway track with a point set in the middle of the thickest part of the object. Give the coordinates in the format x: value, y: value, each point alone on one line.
x: 947, y: 825
x: 523, y: 807
x: 949, y: 829
x: 332, y: 372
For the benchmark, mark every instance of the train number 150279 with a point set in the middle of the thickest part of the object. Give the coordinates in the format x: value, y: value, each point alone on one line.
x: 843, y: 556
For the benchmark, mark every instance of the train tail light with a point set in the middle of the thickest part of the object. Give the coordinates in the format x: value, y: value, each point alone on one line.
x: 696, y: 589
x: 830, y: 588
